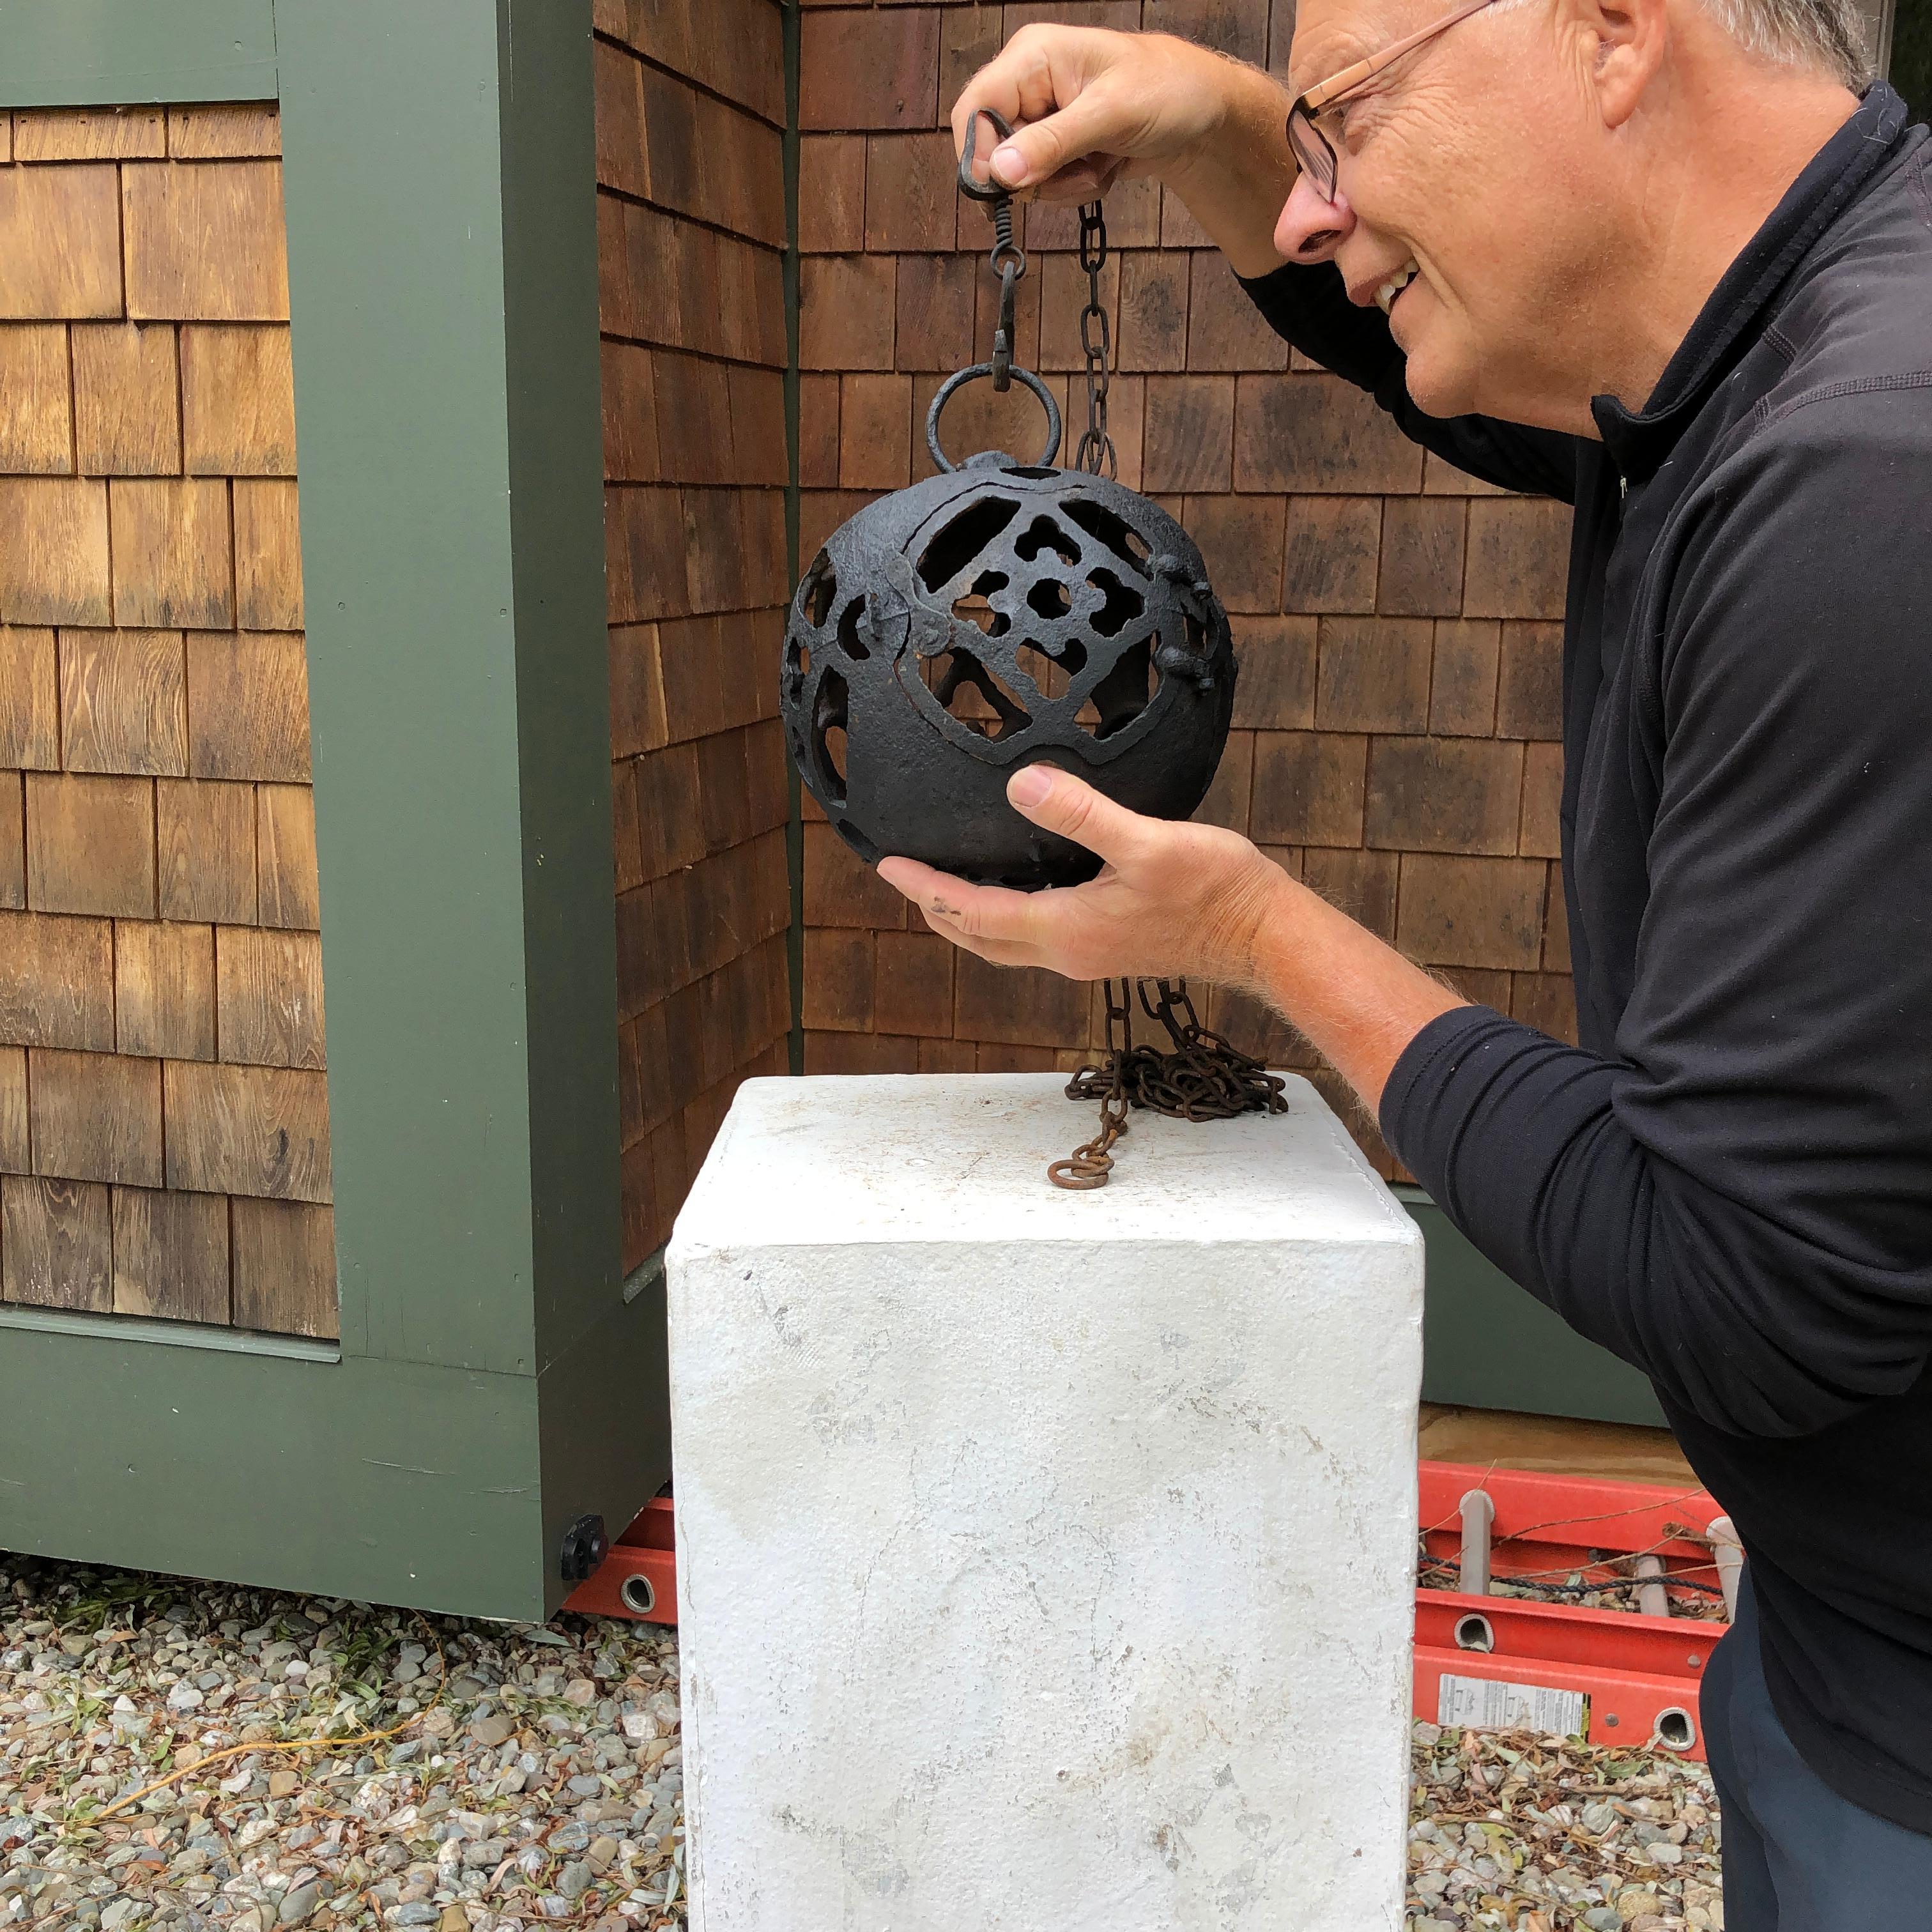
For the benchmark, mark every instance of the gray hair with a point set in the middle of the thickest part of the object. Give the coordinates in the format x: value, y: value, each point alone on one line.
x: 1830, y: 34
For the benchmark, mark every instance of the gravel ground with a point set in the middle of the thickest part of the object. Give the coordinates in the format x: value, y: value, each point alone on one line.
x: 1544, y: 1834
x: 316, y: 1763
x: 193, y: 1756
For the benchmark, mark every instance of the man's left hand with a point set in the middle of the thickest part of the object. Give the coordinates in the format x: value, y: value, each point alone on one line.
x: 1193, y: 900
x: 1171, y: 899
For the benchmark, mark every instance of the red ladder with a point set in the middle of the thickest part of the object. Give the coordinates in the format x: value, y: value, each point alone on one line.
x: 1616, y: 1677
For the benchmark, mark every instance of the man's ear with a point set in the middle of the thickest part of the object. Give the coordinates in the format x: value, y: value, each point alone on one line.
x: 1627, y: 39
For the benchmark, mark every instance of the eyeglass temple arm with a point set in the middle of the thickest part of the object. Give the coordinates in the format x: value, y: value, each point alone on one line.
x: 1352, y: 77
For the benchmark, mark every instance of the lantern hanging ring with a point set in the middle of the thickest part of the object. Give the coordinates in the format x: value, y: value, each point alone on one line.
x: 1008, y: 258
x: 960, y: 378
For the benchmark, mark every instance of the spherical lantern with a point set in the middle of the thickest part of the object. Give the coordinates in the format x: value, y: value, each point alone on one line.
x: 995, y: 616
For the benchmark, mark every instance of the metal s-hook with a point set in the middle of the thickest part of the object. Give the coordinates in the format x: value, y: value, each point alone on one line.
x: 970, y: 183
x: 1008, y: 258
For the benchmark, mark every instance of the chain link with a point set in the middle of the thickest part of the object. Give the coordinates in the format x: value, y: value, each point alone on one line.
x: 1095, y: 453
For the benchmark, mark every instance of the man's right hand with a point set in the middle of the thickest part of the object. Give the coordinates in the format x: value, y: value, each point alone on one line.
x: 1088, y: 107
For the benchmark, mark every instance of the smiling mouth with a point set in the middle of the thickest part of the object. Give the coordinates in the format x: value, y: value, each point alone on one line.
x: 1385, y: 296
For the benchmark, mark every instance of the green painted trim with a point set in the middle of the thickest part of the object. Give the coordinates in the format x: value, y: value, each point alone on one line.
x: 1486, y: 1344
x: 387, y: 1482
x: 103, y: 53
x: 648, y: 1273
x: 492, y: 1382
x: 168, y: 1334
x: 794, y: 563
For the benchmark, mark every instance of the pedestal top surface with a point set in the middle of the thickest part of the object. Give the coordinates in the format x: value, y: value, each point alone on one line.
x: 934, y: 1157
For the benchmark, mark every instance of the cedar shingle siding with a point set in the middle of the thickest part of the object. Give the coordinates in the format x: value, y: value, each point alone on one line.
x: 161, y: 1037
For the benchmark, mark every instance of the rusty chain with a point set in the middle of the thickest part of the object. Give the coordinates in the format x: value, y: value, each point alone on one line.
x: 1095, y: 453
x: 1197, y: 1076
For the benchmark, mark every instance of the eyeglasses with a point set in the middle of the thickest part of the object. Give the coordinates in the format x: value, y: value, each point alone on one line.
x: 1313, y: 151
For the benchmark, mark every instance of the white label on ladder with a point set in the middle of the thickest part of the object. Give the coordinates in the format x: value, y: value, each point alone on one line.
x: 1482, y: 1703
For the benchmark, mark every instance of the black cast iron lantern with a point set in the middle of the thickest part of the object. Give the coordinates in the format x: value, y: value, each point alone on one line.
x: 996, y: 615
x: 1002, y: 613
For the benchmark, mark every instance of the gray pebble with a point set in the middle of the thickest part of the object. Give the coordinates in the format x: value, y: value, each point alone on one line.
x: 575, y: 1878
x: 298, y: 1904
x: 418, y: 1911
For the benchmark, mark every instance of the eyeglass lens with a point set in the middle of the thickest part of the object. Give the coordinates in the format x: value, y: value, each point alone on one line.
x: 1313, y: 153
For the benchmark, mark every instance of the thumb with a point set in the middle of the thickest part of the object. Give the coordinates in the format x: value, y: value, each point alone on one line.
x: 1038, y: 152
x: 1057, y: 801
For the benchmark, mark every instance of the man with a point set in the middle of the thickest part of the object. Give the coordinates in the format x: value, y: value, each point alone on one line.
x: 1659, y: 259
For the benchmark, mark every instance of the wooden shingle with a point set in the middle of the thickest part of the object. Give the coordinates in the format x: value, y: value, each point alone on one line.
x: 247, y: 706
x: 268, y: 996
x: 53, y: 565
x: 36, y: 400
x: 91, y: 845
x: 127, y: 404
x: 285, y: 845
x: 164, y: 989
x: 204, y: 241
x: 268, y: 557
x: 238, y: 401
x: 172, y: 565
x: 56, y: 982
x: 29, y: 702
x: 16, y: 1155
x: 88, y: 134
x: 56, y: 1243
x: 227, y: 131
x: 60, y: 243
x: 284, y: 1279
x: 206, y: 851
x: 124, y: 702
x: 95, y: 1116
x: 13, y: 842
x: 170, y: 1254
x: 254, y: 1130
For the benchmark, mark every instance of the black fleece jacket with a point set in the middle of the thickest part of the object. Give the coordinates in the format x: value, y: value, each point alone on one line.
x: 1728, y: 1183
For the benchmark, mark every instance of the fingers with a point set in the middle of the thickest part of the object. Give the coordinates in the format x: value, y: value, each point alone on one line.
x: 1039, y: 152
x: 991, y: 951
x: 1042, y: 83
x: 1058, y: 802
x: 986, y: 920
x: 981, y: 913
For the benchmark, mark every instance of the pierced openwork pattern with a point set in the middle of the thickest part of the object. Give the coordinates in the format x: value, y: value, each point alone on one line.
x: 986, y: 618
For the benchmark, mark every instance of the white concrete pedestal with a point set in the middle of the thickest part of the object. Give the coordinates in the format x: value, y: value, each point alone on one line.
x: 1044, y: 1559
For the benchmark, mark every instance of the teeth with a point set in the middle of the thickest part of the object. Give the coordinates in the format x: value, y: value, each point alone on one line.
x: 1386, y: 295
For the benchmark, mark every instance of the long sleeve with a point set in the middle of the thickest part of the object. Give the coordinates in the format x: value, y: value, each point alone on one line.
x: 1738, y: 1198
x: 1308, y: 306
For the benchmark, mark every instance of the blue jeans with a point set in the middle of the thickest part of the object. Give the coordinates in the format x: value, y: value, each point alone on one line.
x: 1798, y: 1858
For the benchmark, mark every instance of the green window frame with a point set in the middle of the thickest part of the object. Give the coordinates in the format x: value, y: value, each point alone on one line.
x: 496, y: 1376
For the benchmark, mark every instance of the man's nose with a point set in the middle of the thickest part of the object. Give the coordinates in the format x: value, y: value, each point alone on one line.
x: 1311, y: 229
